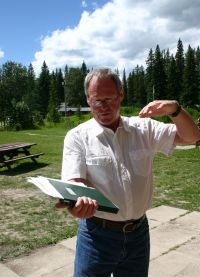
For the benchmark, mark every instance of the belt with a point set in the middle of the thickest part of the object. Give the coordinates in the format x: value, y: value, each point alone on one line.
x: 123, y: 226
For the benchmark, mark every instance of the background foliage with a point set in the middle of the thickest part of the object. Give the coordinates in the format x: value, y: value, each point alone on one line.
x: 166, y: 76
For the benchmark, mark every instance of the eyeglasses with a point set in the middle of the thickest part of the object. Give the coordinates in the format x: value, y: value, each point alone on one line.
x: 99, y: 103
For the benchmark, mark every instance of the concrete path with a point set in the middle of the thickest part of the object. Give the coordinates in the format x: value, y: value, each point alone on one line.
x: 175, y: 249
x: 185, y: 147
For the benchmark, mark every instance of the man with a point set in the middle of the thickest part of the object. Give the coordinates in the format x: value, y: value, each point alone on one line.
x: 115, y: 154
x: 198, y: 125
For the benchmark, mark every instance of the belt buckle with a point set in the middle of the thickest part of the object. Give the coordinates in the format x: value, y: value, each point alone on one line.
x: 128, y: 224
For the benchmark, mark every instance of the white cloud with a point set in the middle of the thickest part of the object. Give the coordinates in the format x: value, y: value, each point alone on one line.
x: 1, y: 54
x: 84, y: 4
x: 121, y: 33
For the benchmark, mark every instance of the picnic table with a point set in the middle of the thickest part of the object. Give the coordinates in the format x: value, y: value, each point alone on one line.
x: 12, y: 152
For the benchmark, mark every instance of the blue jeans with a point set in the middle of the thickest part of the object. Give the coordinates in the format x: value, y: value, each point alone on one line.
x: 100, y: 251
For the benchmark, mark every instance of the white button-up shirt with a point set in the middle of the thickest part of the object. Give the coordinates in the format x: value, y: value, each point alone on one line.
x: 118, y: 164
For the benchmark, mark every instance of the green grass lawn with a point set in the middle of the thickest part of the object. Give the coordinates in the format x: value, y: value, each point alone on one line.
x: 177, y: 179
x: 28, y: 219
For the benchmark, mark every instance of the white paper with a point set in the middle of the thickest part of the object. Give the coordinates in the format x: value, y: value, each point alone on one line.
x: 44, y: 185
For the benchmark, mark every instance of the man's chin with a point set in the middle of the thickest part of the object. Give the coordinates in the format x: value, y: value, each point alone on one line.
x: 105, y: 120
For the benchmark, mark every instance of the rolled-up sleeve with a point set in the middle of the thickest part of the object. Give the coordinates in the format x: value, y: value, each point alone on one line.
x: 73, y: 163
x: 163, y: 136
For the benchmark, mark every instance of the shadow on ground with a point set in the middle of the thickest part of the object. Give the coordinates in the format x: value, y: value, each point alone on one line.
x: 22, y: 168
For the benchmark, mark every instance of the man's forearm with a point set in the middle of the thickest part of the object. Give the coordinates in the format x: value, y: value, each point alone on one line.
x: 187, y: 130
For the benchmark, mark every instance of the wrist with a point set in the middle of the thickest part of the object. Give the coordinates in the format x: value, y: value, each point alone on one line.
x: 177, y: 111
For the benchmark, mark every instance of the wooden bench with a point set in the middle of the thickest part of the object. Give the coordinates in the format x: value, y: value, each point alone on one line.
x: 32, y: 157
x: 13, y: 152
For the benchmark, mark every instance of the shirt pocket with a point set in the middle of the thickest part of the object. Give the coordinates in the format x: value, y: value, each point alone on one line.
x: 141, y: 161
x: 99, y: 168
x: 100, y: 161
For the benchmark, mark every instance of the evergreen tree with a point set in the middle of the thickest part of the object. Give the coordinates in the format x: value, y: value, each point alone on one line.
x: 130, y: 89
x: 43, y: 84
x: 31, y: 97
x: 117, y: 71
x: 167, y: 64
x: 53, y: 114
x: 21, y: 117
x: 190, y: 94
x: 74, y: 82
x: 59, y: 86
x: 165, y: 77
x: 172, y: 86
x: 150, y: 76
x: 124, y: 82
x: 142, y: 88
x: 167, y: 60
x: 160, y: 84
x: 139, y: 87
x: 197, y: 56
x: 14, y: 79
x: 179, y: 57
x: 4, y: 105
x: 66, y: 71
x: 13, y: 87
x: 84, y: 69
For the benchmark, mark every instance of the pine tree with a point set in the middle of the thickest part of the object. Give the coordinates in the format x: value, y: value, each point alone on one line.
x: 190, y: 94
x: 139, y: 86
x: 43, y: 84
x: 59, y: 86
x: 160, y: 82
x: 53, y: 114
x: 74, y: 83
x: 66, y: 70
x: 130, y: 89
x: 124, y: 83
x: 172, y: 80
x: 197, y: 56
x: 4, y: 104
x: 150, y: 76
x: 179, y: 57
x: 167, y: 64
x: 84, y: 69
x: 31, y: 98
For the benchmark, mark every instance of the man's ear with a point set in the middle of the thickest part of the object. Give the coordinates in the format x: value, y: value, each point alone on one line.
x: 88, y: 101
x: 121, y: 95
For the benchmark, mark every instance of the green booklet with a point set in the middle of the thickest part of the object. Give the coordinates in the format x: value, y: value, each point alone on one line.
x: 70, y: 191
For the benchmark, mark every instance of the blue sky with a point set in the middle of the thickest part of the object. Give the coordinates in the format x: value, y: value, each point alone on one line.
x: 24, y: 22
x: 114, y: 33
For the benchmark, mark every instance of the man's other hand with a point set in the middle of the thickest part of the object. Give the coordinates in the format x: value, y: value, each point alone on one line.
x: 85, y: 207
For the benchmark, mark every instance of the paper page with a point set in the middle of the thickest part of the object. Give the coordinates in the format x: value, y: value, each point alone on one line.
x: 69, y: 182
x: 44, y: 185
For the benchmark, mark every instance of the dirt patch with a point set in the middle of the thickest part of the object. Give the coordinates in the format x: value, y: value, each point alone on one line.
x: 29, y: 220
x: 19, y: 194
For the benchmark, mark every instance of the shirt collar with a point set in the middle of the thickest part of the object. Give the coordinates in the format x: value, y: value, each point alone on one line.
x: 124, y: 123
x: 99, y: 129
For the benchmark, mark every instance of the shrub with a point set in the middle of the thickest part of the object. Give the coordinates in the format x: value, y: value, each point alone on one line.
x: 21, y: 117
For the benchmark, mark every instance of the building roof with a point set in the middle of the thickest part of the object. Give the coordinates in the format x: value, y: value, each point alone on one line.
x: 62, y: 108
